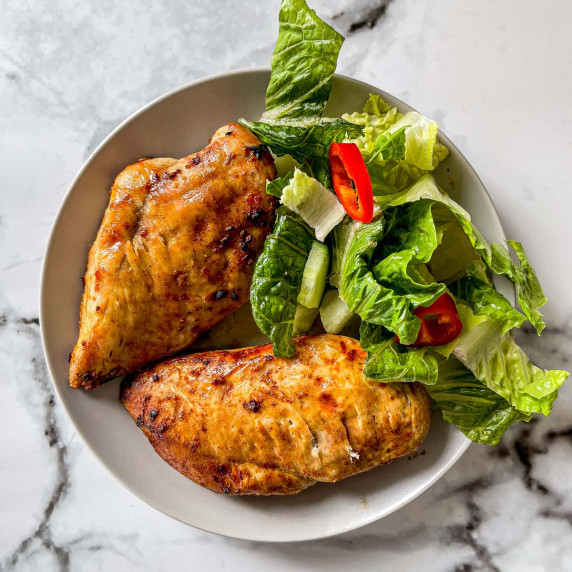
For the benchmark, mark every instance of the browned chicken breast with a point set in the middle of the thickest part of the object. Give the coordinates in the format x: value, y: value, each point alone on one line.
x: 174, y: 254
x: 245, y: 422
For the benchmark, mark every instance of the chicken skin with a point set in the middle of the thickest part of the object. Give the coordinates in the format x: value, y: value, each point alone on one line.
x: 174, y: 254
x: 245, y: 422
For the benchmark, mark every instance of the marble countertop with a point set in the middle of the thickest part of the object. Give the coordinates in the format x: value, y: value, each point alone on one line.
x: 498, y: 78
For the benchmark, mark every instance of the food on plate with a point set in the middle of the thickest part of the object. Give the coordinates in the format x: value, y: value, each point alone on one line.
x: 440, y: 323
x: 174, y: 254
x: 406, y: 260
x: 246, y: 422
x: 364, y: 235
x: 351, y: 180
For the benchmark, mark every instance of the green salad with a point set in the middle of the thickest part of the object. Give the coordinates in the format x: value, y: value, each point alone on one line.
x: 408, y: 262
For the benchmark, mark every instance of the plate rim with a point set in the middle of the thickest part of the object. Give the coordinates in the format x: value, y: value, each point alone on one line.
x: 51, y: 368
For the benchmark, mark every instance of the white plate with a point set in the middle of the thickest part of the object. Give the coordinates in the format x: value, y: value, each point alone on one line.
x: 176, y: 125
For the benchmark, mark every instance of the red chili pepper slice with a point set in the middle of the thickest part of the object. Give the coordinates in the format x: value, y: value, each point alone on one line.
x: 351, y: 181
x: 440, y: 322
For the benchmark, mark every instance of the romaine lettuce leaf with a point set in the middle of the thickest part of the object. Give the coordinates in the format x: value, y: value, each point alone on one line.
x: 285, y: 165
x: 319, y: 168
x: 394, y: 272
x: 375, y: 105
x: 353, y: 246
x: 484, y: 300
x: 420, y: 273
x: 528, y: 289
x: 410, y: 239
x: 496, y: 361
x: 398, y: 149
x: 277, y: 279
x: 308, y: 198
x: 389, y: 361
x: 426, y: 188
x: 496, y: 256
x: 303, y: 63
x: 276, y: 186
x: 388, y: 177
x: 389, y: 146
x: 375, y: 120
x: 481, y: 414
x: 302, y: 143
x: 420, y: 139
x: 455, y: 253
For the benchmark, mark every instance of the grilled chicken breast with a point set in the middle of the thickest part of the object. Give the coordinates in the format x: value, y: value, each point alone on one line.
x: 245, y: 422
x: 174, y: 254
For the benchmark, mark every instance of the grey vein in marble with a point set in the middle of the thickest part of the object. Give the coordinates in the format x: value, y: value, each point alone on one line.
x: 42, y: 535
x: 367, y: 17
